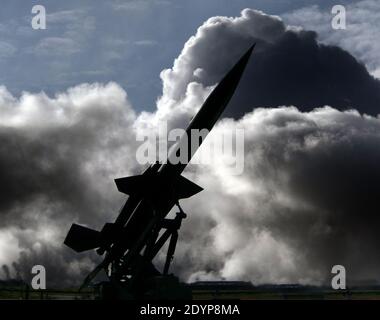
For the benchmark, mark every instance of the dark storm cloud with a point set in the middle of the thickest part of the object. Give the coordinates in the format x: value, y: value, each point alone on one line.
x: 289, y: 67
x: 359, y: 39
x: 297, y: 71
x: 58, y: 157
x: 308, y: 200
x: 50, y: 147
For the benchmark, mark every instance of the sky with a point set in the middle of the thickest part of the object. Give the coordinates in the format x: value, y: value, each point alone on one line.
x: 74, y: 96
x: 129, y: 42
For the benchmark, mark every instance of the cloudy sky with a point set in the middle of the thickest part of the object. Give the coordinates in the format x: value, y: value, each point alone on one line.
x: 73, y: 96
x: 127, y: 41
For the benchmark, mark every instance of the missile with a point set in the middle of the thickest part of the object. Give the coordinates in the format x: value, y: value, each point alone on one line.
x: 152, y: 195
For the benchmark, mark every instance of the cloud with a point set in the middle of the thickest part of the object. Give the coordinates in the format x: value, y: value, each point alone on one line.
x: 65, y: 16
x: 289, y: 67
x: 57, y: 159
x: 138, y: 5
x: 6, y: 50
x: 56, y: 46
x: 309, y: 201
x: 360, y: 37
x: 69, y: 33
x: 306, y: 200
x: 9, y: 252
x: 146, y: 43
x: 310, y: 183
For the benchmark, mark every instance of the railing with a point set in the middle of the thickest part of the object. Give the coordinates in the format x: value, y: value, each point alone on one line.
x: 26, y: 293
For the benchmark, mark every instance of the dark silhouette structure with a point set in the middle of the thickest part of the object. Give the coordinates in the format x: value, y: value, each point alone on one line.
x: 133, y: 240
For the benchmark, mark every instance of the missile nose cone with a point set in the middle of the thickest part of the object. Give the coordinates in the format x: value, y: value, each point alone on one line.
x: 252, y: 47
x: 247, y: 55
x: 242, y: 63
x: 221, y: 95
x: 214, y: 105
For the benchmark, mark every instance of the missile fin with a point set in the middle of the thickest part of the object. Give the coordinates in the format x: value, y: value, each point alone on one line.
x: 184, y: 188
x: 131, y: 185
x: 80, y: 238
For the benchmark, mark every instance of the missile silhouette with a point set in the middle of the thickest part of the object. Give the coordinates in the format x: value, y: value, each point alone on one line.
x: 133, y: 240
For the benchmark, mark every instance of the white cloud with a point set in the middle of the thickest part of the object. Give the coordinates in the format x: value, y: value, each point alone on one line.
x: 361, y: 36
x: 68, y: 33
x: 9, y: 251
x: 6, y: 50
x: 56, y: 46
x: 137, y: 5
x: 65, y: 16
x: 146, y: 42
x: 51, y: 146
x: 300, y: 215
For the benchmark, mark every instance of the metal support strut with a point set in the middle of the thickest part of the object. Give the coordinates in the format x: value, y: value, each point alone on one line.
x: 173, y: 237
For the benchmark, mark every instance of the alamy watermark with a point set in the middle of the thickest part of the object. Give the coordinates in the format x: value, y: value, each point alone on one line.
x: 39, y: 18
x: 176, y: 146
x: 39, y: 280
x: 338, y: 282
x: 338, y: 21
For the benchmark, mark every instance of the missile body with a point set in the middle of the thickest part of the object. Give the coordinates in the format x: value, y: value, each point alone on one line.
x: 153, y: 194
